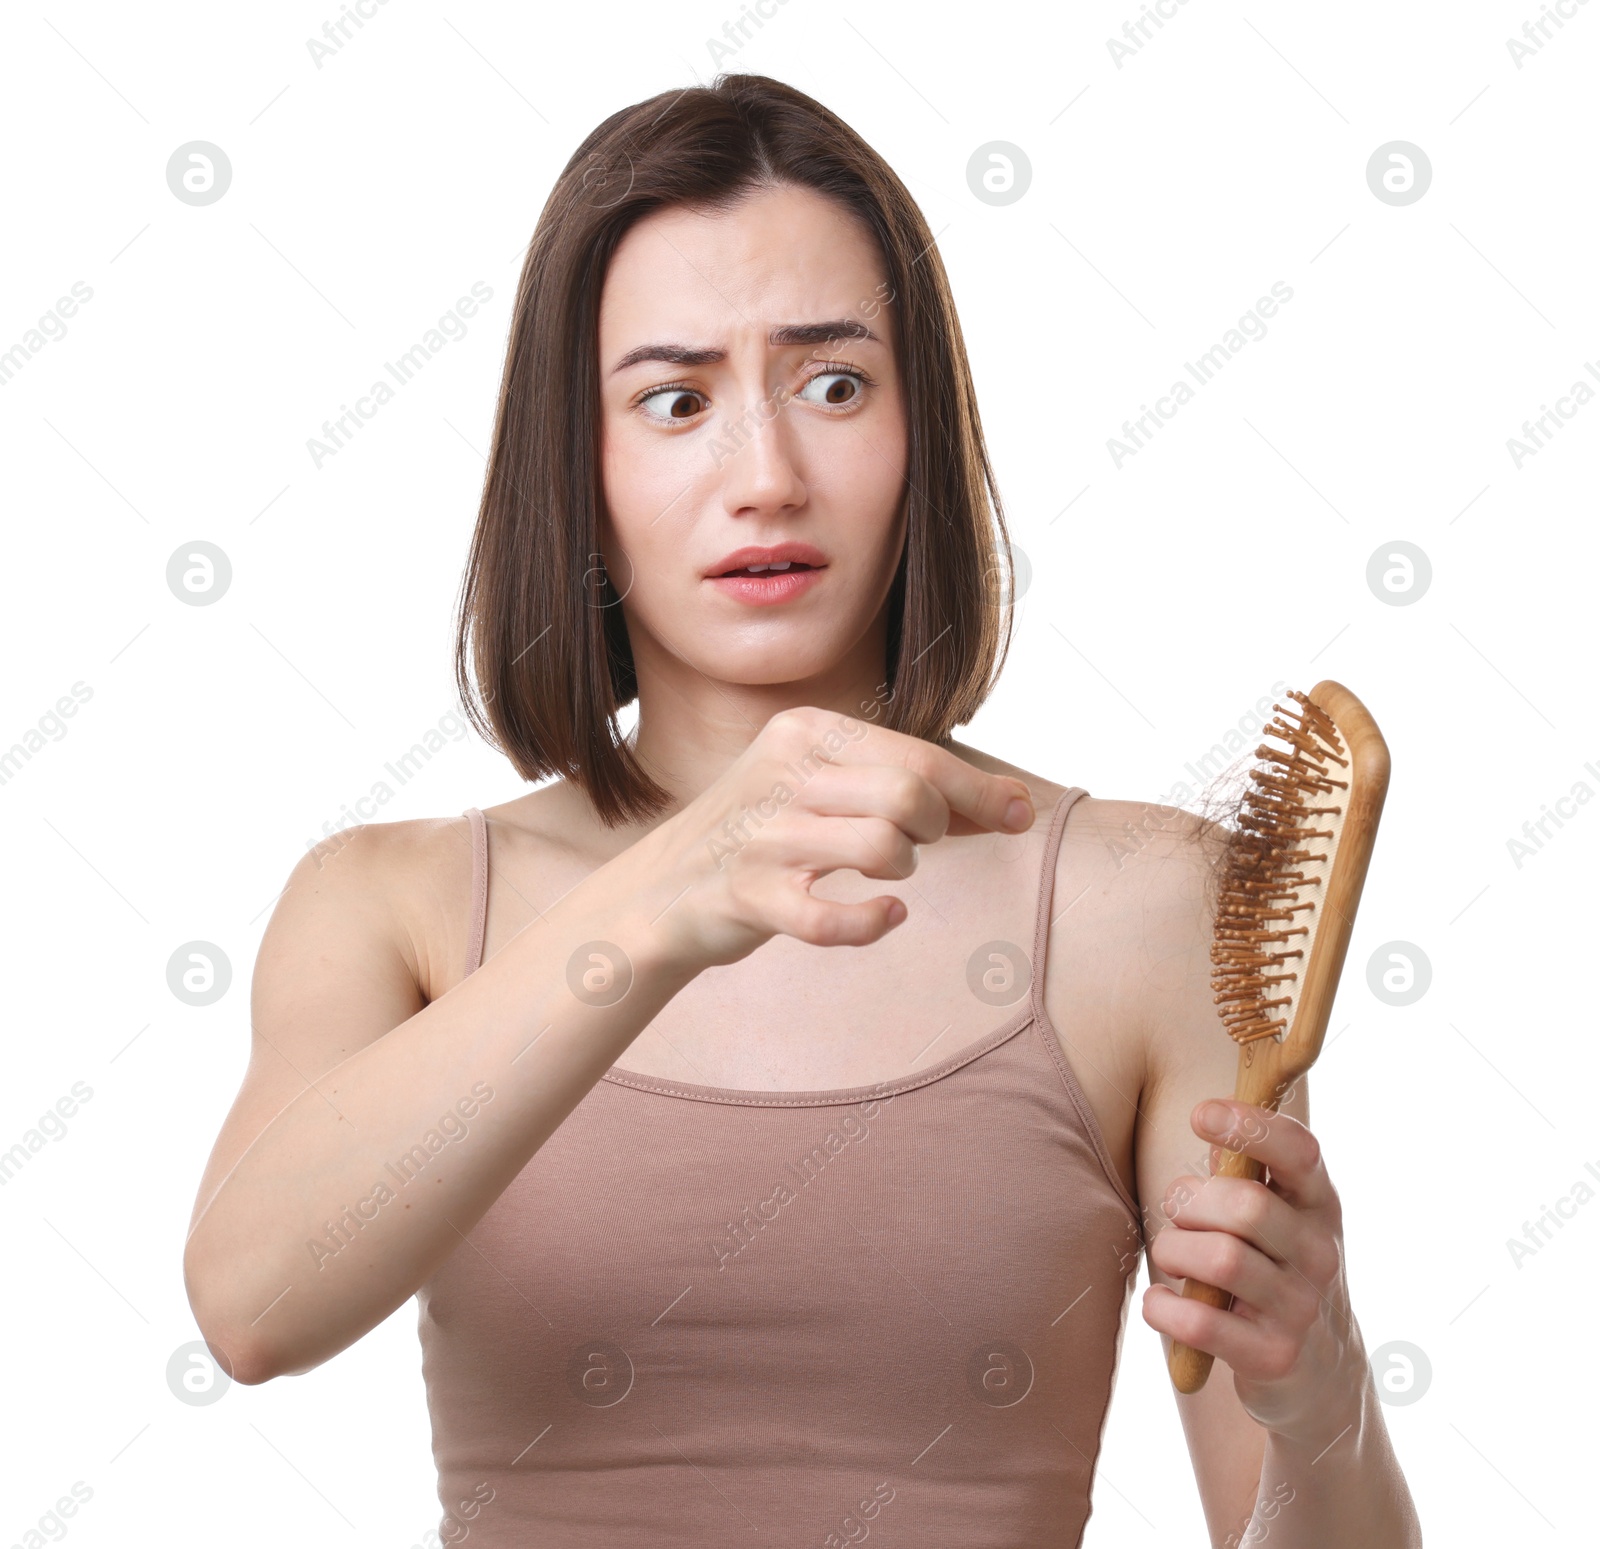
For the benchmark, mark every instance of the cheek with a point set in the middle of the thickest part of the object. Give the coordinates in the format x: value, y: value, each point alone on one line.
x: 625, y: 474
x: 862, y: 472
x: 647, y: 499
x: 640, y: 476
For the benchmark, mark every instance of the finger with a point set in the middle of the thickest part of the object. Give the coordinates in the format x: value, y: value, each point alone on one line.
x: 1249, y: 1348
x: 1279, y: 1142
x: 875, y: 847
x: 961, y: 827
x: 1219, y: 1259
x: 889, y: 791
x: 989, y: 803
x: 1216, y: 1155
x: 1245, y: 1208
x: 824, y: 923
x: 981, y: 799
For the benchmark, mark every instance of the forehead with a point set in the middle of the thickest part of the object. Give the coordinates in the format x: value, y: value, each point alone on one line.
x: 783, y: 255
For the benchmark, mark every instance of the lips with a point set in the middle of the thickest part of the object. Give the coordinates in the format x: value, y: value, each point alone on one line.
x: 766, y: 575
x: 768, y: 569
x: 775, y: 559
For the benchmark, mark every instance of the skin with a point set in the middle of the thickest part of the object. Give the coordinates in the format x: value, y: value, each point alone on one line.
x: 773, y: 442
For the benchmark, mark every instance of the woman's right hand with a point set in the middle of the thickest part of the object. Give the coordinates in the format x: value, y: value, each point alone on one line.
x: 816, y: 791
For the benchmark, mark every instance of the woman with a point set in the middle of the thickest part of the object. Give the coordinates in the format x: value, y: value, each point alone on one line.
x: 715, y: 1233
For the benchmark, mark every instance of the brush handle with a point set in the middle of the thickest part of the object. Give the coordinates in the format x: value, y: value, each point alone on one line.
x: 1190, y: 1367
x: 1261, y: 1083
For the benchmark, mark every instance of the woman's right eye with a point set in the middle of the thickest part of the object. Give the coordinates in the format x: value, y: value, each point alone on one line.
x: 671, y: 403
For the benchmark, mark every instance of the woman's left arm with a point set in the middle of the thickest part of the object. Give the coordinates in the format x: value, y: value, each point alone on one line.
x: 1329, y: 1477
x: 1287, y: 1438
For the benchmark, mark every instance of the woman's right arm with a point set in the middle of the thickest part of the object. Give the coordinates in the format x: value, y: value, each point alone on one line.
x: 372, y: 1133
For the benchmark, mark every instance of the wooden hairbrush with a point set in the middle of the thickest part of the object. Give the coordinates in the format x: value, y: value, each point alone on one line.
x: 1291, y: 877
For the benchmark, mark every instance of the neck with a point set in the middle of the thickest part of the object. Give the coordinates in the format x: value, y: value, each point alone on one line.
x: 692, y: 726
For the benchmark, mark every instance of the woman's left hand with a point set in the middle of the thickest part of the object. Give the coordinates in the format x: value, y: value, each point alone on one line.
x: 1278, y: 1246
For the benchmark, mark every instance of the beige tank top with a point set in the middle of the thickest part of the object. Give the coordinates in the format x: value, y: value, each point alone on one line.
x: 704, y: 1316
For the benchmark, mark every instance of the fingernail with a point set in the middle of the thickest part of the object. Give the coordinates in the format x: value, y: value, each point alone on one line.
x: 1216, y: 1119
x: 1019, y: 815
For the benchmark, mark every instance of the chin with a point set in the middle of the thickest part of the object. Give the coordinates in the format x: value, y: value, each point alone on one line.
x: 765, y: 670
x: 790, y: 656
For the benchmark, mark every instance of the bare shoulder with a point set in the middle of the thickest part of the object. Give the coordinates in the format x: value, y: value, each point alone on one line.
x: 419, y: 871
x: 352, y: 945
x: 1148, y: 872
x: 411, y: 880
x: 1155, y: 858
x: 1136, y: 883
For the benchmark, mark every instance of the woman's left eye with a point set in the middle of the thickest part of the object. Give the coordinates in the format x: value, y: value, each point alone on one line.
x: 671, y: 403
x: 838, y: 388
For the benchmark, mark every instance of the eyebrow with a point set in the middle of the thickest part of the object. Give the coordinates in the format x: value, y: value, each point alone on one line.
x: 787, y: 334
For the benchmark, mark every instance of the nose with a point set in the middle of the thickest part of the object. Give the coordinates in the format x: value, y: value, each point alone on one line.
x: 757, y: 457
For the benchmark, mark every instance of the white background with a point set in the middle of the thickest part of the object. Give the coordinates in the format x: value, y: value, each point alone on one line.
x: 1167, y: 595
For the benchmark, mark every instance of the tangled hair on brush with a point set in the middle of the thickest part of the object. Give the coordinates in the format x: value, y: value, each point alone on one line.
x: 1210, y: 823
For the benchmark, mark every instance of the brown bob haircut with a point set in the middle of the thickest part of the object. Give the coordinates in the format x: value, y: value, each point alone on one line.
x: 542, y: 658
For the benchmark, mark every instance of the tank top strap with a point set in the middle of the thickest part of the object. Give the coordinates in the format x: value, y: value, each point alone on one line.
x: 1049, y: 910
x: 1047, y: 877
x: 480, y: 887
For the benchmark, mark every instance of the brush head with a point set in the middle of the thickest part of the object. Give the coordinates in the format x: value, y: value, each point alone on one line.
x: 1275, y: 871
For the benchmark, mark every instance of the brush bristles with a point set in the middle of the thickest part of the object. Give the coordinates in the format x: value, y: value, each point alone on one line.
x: 1263, y: 923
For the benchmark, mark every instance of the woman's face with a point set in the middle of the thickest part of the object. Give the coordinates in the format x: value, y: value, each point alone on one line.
x: 750, y: 401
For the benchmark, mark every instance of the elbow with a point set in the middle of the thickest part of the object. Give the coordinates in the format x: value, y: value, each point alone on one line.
x: 242, y: 1361
x: 250, y: 1362
x: 236, y: 1338
x: 241, y: 1353
x: 238, y: 1353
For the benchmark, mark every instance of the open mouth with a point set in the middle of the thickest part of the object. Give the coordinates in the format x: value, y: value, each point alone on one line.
x: 774, y: 569
x: 768, y: 584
